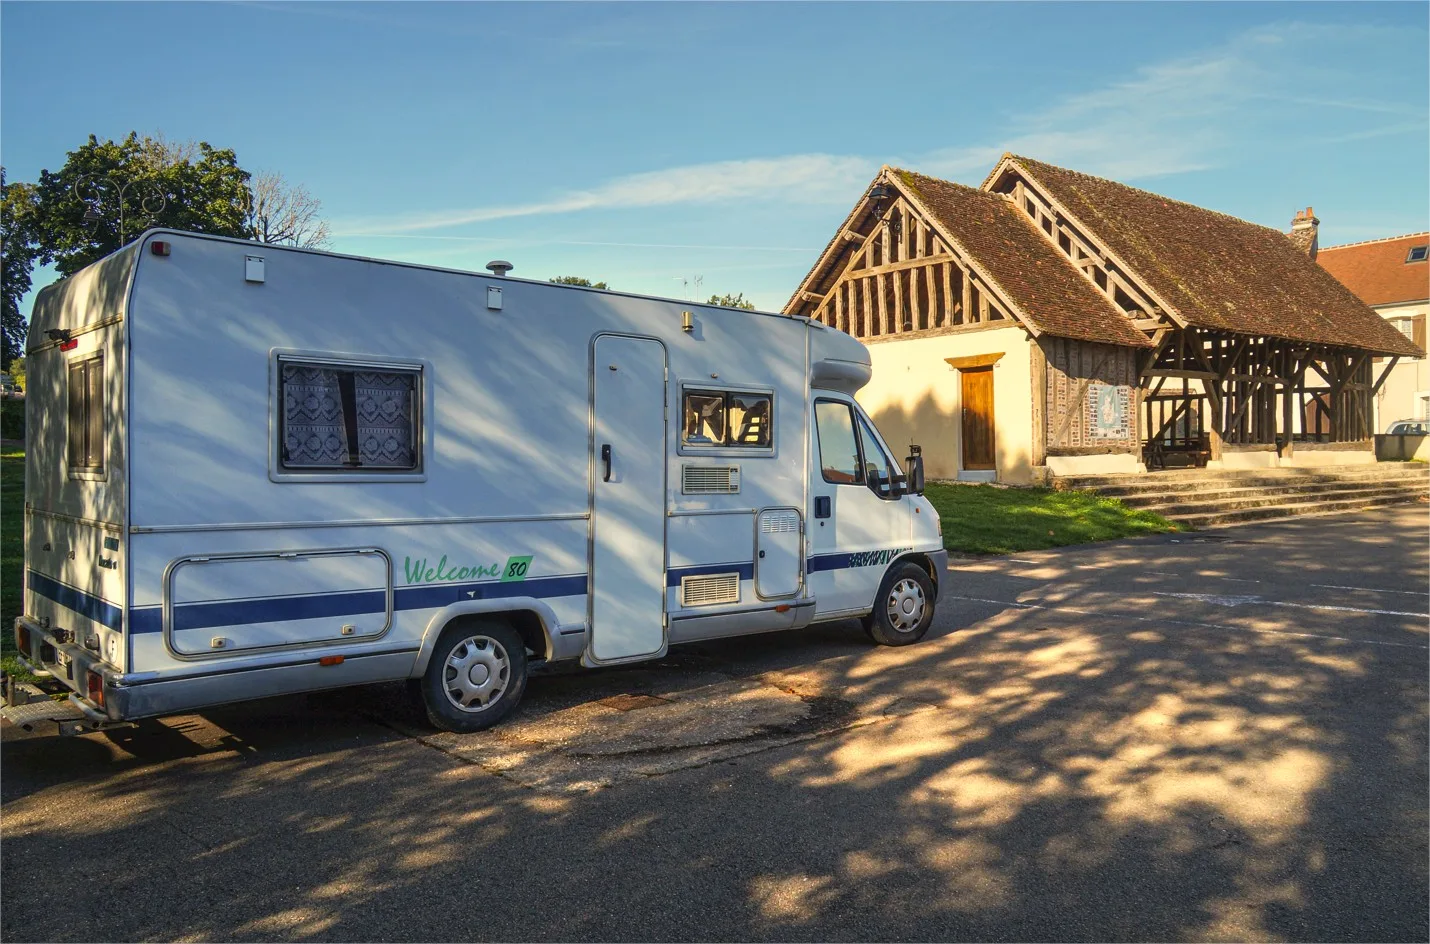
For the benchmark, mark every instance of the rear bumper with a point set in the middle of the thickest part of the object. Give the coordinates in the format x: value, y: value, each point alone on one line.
x: 69, y: 664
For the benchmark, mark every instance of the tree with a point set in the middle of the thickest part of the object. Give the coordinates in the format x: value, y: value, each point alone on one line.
x: 16, y: 370
x: 577, y: 280
x: 109, y: 192
x: 732, y: 301
x: 18, y: 253
x: 283, y: 213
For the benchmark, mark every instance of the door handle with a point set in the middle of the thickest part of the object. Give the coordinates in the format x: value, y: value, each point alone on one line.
x: 606, y: 458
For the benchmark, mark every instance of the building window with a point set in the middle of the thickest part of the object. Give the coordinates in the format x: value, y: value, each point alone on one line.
x: 359, y: 418
x: 86, y: 415
x: 1418, y: 254
x: 727, y: 418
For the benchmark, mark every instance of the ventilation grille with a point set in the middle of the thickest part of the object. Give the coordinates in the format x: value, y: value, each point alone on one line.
x: 709, y: 480
x: 710, y: 589
x: 776, y: 522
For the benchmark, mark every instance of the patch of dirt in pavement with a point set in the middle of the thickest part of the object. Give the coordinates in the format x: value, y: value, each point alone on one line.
x: 600, y: 743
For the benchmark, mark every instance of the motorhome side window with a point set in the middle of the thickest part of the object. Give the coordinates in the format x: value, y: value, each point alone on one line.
x: 356, y: 418
x: 727, y: 418
x: 86, y: 415
x: 838, y: 449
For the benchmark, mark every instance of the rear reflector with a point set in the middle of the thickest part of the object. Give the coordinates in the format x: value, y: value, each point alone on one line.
x: 331, y: 660
x: 22, y: 641
x: 69, y: 345
x: 159, y: 248
x: 95, y: 684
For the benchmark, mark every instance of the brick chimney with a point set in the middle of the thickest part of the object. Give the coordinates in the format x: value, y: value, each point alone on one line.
x: 1303, y: 232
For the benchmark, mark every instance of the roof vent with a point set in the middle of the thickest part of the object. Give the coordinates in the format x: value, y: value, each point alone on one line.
x: 499, y: 267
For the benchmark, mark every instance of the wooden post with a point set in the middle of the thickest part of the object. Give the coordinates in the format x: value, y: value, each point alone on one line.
x: 884, y: 319
x: 932, y: 297
x: 947, y: 294
x: 898, y: 303
x: 967, y: 297
x: 1040, y: 396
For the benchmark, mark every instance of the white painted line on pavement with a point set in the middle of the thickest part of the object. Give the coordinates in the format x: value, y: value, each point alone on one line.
x: 1410, y: 593
x: 1177, y: 622
x: 1216, y: 600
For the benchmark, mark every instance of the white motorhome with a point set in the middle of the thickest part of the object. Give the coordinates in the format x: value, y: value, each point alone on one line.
x: 256, y: 470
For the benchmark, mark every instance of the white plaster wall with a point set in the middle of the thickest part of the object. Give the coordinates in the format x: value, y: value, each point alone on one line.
x: 914, y: 398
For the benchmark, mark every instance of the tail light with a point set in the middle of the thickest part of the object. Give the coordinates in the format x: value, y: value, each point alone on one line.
x: 95, y: 684
x: 22, y: 641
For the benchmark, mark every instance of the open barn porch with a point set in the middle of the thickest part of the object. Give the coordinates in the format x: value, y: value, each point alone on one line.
x: 1217, y: 397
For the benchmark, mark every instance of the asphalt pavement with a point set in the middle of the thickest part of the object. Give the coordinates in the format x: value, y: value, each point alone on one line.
x: 1212, y: 736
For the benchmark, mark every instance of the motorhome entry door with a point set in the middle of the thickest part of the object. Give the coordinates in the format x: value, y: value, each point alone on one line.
x: 628, y: 508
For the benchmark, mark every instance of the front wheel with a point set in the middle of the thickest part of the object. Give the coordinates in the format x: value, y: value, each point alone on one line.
x: 903, y: 610
x: 476, y: 676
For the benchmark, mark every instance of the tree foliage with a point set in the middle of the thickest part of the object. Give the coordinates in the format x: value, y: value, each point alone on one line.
x: 732, y: 301
x: 284, y: 213
x: 577, y: 280
x: 108, y: 192
x: 130, y: 186
x: 18, y: 253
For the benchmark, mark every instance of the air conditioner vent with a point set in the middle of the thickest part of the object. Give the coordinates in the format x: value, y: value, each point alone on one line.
x: 709, y: 480
x: 776, y: 522
x: 709, y: 589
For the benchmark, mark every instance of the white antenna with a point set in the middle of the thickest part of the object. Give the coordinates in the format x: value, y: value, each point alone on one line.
x: 698, y: 280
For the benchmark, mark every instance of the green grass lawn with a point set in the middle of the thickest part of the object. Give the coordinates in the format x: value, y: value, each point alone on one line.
x: 12, y: 551
x: 986, y: 519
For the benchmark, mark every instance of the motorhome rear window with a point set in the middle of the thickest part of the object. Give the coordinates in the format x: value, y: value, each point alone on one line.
x: 728, y: 418
x: 86, y: 419
x: 358, y: 418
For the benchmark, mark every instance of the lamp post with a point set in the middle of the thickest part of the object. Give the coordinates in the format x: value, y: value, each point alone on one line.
x: 94, y: 190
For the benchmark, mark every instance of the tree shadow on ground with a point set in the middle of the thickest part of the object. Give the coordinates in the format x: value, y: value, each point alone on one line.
x: 1037, y: 775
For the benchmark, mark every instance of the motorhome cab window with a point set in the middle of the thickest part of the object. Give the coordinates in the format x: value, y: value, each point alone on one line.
x: 359, y: 418
x: 838, y: 450
x: 847, y: 457
x: 727, y: 418
x: 86, y: 415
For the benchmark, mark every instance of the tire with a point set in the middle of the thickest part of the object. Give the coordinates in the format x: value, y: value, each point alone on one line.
x: 903, y: 609
x: 476, y: 676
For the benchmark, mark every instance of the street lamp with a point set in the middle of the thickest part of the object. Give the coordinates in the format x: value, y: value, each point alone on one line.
x: 94, y: 190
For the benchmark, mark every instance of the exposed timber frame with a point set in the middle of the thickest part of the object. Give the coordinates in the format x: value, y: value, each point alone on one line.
x: 905, y: 276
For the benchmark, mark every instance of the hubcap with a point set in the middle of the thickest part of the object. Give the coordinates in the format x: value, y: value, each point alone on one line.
x: 906, y: 605
x: 477, y: 672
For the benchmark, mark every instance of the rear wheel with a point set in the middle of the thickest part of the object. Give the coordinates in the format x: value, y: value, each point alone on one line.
x: 903, y: 610
x: 476, y: 676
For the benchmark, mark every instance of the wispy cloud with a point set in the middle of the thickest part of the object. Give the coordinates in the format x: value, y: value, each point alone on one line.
x: 797, y: 177
x: 1187, y: 114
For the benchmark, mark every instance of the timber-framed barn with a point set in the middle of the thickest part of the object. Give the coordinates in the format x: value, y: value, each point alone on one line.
x: 1052, y: 322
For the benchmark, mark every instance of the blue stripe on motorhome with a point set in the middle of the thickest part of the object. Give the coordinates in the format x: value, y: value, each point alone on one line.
x: 150, y: 619
x: 746, y: 570
x: 827, y: 562
x: 85, y: 604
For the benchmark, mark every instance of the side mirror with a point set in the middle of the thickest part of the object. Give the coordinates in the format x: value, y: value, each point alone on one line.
x: 878, y: 483
x: 915, y: 464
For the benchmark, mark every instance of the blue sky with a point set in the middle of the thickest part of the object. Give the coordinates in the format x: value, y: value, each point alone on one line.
x: 646, y: 144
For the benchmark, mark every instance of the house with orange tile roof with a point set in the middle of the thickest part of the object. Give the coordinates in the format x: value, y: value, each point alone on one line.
x: 1053, y: 323
x: 1392, y: 276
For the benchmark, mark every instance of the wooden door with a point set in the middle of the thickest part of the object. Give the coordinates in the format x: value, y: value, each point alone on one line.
x: 978, y: 454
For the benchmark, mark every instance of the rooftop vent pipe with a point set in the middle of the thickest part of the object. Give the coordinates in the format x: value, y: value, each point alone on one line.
x: 499, y: 267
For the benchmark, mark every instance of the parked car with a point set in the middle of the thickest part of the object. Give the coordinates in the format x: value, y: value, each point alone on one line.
x: 1409, y: 428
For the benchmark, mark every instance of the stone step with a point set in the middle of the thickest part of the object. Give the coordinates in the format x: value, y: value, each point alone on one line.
x: 1245, y: 478
x: 1296, y: 509
x: 1202, y: 505
x: 1149, y: 498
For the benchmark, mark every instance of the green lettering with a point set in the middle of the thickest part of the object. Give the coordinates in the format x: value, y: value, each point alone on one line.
x: 413, y: 571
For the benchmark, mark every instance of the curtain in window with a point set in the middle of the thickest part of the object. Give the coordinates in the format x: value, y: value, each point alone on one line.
x: 336, y: 418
